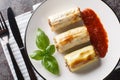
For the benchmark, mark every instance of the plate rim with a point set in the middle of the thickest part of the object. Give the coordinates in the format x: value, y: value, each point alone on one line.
x: 33, y: 15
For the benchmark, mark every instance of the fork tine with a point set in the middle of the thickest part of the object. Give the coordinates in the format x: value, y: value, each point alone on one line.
x: 0, y: 25
x: 5, y: 26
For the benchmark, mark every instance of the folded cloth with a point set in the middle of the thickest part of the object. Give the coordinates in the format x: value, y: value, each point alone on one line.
x: 22, y: 21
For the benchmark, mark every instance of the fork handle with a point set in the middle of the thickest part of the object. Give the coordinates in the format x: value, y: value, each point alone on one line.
x: 15, y: 65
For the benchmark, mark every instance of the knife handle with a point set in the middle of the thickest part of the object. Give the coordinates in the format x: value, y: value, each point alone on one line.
x: 15, y: 65
x: 28, y: 64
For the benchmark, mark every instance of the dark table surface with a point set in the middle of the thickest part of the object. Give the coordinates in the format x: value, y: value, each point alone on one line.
x: 22, y: 6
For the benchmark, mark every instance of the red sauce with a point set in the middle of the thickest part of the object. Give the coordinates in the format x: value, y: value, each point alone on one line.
x: 98, y: 35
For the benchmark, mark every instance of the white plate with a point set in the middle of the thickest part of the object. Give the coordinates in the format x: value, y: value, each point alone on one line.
x: 111, y: 24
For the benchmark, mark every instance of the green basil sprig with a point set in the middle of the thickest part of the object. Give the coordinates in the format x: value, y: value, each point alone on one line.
x: 42, y: 40
x: 45, y: 52
x: 50, y: 63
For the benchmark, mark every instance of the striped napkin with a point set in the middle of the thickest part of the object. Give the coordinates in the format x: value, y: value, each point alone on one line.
x: 22, y: 21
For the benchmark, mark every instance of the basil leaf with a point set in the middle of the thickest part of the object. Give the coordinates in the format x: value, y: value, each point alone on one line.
x: 42, y: 40
x: 50, y: 49
x: 37, y: 55
x: 50, y: 63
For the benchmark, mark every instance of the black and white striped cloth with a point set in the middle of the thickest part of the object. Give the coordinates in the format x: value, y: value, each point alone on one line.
x: 22, y: 21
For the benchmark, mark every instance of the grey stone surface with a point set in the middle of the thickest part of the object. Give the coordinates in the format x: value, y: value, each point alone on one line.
x: 115, y: 5
x: 21, y: 6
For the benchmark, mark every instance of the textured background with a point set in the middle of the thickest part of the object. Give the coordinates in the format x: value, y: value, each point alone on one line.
x: 21, y: 6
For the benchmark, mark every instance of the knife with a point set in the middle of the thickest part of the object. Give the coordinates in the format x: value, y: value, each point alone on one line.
x: 18, y: 39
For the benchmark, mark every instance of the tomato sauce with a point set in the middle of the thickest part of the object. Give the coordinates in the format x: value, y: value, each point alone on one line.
x: 98, y: 35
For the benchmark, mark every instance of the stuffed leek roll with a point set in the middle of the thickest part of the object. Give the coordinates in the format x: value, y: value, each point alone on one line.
x: 71, y: 38
x: 81, y: 58
x: 64, y: 19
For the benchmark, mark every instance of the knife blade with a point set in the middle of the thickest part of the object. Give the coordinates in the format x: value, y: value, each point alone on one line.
x: 18, y: 39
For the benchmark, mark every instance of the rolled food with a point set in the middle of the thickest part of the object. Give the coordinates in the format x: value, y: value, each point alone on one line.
x: 64, y: 19
x: 71, y: 38
x: 81, y: 58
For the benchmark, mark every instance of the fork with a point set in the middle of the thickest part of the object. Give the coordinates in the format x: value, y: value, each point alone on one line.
x: 4, y: 37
